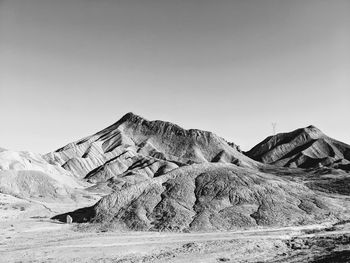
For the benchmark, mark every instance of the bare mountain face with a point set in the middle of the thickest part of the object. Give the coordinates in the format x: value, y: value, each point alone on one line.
x: 303, y: 148
x: 150, y: 148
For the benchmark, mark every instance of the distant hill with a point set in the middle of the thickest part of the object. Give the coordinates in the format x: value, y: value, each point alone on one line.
x: 304, y: 148
x: 28, y: 175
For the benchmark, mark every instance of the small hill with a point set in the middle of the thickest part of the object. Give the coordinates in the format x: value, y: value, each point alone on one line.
x: 304, y: 148
x: 24, y: 160
x: 207, y: 197
x: 134, y: 142
x: 29, y: 184
x: 29, y: 175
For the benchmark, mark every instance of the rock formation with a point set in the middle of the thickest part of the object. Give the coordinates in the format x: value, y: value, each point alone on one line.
x: 69, y: 219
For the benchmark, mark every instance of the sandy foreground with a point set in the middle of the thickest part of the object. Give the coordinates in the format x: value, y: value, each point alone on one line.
x: 28, y: 235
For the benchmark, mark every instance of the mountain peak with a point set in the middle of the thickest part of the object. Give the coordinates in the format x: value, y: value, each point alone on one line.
x: 156, y: 138
x: 130, y: 116
x: 311, y: 127
x: 158, y: 126
x: 313, y: 130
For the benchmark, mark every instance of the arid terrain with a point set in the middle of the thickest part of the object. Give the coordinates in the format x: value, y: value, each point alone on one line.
x: 39, y: 239
x: 151, y: 191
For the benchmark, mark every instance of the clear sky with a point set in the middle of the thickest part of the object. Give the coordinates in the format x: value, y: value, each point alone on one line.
x: 70, y: 68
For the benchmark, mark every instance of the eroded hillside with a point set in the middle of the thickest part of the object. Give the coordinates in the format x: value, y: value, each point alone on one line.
x: 304, y: 148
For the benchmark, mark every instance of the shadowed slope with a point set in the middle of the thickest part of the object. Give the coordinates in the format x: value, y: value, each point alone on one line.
x: 135, y: 163
x: 304, y: 148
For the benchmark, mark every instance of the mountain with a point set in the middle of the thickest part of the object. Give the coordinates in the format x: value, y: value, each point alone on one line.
x: 150, y: 148
x: 163, y: 177
x: 155, y: 175
x: 207, y: 197
x: 304, y: 148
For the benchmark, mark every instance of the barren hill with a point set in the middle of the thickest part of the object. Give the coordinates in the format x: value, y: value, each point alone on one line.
x: 28, y: 175
x: 150, y: 147
x: 305, y: 148
x: 209, y: 197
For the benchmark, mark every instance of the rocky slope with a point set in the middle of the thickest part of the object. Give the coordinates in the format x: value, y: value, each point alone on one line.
x: 134, y: 144
x: 207, y: 197
x: 304, y: 148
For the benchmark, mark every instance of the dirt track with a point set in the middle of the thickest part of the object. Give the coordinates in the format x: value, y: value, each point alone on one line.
x: 42, y: 240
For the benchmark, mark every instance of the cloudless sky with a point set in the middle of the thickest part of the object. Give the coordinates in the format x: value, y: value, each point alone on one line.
x: 70, y: 68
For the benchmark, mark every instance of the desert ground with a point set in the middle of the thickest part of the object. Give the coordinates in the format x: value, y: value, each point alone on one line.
x: 29, y: 235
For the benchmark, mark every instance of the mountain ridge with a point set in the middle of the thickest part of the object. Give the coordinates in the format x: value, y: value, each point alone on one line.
x: 156, y: 125
x: 139, y: 138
